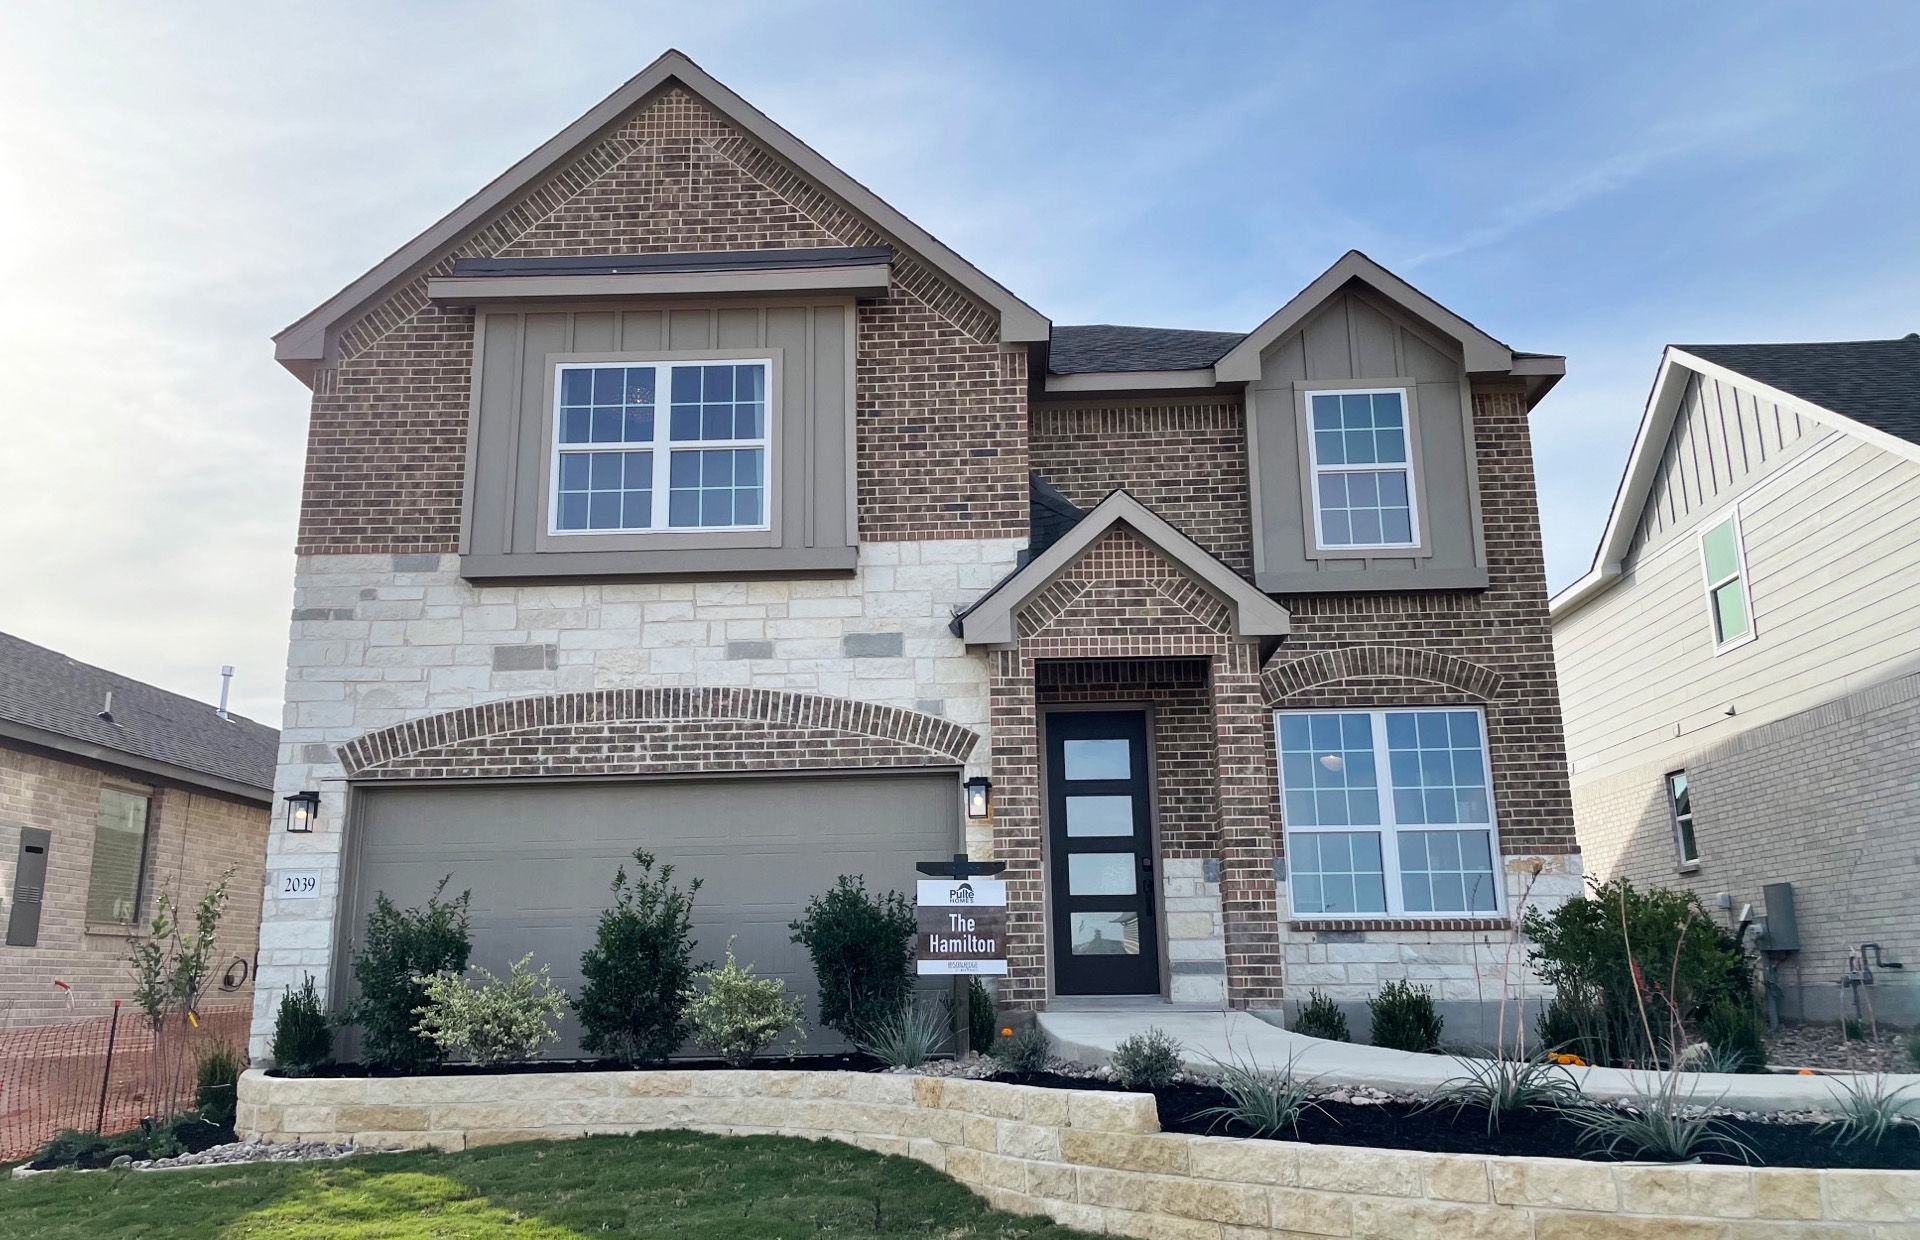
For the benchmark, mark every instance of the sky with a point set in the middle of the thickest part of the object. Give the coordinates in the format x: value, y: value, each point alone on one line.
x: 178, y: 182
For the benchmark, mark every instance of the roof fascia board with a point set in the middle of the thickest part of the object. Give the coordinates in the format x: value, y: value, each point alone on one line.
x: 864, y: 280
x: 40, y: 738
x: 1254, y: 614
x: 305, y: 340
x: 1131, y: 380
x: 1483, y: 354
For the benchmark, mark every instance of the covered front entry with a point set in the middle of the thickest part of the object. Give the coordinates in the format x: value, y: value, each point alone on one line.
x: 1106, y: 938
x: 538, y: 858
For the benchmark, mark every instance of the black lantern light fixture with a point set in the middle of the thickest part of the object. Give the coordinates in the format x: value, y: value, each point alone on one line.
x: 302, y: 809
x: 979, y: 797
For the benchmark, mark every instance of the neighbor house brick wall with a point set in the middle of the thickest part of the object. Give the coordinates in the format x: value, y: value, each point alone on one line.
x: 941, y: 407
x: 193, y: 838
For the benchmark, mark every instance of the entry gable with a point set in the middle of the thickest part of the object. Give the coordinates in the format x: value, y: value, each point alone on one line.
x: 1121, y: 525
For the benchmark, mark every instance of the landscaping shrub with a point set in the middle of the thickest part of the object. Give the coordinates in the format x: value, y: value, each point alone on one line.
x: 402, y: 948
x: 910, y: 1036
x: 979, y: 1015
x: 1581, y: 949
x: 1404, y: 1019
x: 216, y: 1078
x: 302, y: 1034
x: 1023, y: 1051
x: 1737, y: 1036
x: 1149, y: 1060
x: 739, y: 1015
x: 497, y: 1021
x: 862, y: 949
x: 633, y: 998
x: 1265, y: 1103
x: 1853, y: 1030
x: 1321, y: 1017
x: 1913, y: 1050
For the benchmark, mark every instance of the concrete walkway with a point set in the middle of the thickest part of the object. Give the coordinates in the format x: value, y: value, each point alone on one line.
x: 1089, y: 1037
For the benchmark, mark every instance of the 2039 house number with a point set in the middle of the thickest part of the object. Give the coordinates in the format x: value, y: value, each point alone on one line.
x: 299, y: 884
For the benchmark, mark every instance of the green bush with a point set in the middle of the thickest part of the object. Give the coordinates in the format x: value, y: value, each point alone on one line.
x: 302, y: 1034
x: 862, y: 949
x: 216, y: 1078
x: 1853, y: 1030
x: 1149, y: 1060
x: 1404, y: 1019
x: 633, y: 997
x: 1686, y: 964
x: 1321, y: 1017
x: 1565, y: 1024
x: 979, y: 1015
x: 1737, y: 1036
x: 500, y: 1020
x: 739, y: 1015
x: 1022, y: 1050
x: 404, y: 946
x: 1913, y: 1050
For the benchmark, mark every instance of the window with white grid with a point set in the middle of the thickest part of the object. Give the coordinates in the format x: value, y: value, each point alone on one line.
x: 1362, y: 475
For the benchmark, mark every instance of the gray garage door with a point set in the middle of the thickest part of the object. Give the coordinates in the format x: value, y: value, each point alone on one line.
x: 539, y: 857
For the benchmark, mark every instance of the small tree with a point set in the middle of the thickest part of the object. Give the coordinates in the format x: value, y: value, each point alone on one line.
x: 862, y: 949
x: 404, y: 946
x: 739, y: 1015
x: 632, y: 1001
x: 497, y: 1021
x: 302, y: 1035
x: 170, y: 965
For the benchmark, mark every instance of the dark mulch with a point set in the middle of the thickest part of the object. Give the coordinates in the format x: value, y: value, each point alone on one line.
x: 91, y: 1152
x: 1407, y: 1126
x: 806, y: 1063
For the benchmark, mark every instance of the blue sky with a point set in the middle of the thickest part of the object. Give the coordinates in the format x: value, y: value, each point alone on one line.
x: 1594, y: 180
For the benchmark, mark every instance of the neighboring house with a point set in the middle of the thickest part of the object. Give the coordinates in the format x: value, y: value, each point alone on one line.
x: 1742, y: 669
x: 112, y: 792
x: 676, y: 492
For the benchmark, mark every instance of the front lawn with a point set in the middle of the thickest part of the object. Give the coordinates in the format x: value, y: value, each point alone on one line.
x: 651, y: 1184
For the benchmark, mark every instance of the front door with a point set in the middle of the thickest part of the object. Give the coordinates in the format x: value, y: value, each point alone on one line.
x: 1100, y: 816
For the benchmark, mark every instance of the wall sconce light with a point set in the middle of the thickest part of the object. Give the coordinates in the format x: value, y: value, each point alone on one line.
x: 979, y: 797
x: 302, y: 809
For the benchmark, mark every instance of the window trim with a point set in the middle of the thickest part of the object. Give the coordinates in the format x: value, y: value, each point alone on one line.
x: 151, y: 797
x: 1730, y: 515
x: 1310, y: 469
x: 1388, y: 827
x: 1687, y: 864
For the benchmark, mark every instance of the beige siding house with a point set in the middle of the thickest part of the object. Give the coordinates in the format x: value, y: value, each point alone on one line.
x: 1741, y: 668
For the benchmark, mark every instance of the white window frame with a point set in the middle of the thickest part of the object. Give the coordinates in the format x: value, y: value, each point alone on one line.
x: 1730, y: 515
x: 662, y: 446
x: 1388, y: 827
x: 1315, y: 469
x: 1687, y: 864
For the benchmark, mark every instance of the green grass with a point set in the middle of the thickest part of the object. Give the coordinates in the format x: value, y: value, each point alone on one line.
x: 652, y: 1184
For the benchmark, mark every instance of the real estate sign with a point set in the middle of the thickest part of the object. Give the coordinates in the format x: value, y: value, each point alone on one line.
x: 962, y: 925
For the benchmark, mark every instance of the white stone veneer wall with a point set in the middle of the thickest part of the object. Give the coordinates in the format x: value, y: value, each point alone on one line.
x: 381, y: 639
x: 1195, y: 930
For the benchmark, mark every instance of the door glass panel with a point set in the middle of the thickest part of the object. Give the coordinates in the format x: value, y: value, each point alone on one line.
x: 1100, y: 874
x: 1104, y: 759
x: 1099, y: 815
x: 1106, y: 934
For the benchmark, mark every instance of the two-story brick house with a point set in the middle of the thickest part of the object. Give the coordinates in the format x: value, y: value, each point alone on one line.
x: 677, y: 492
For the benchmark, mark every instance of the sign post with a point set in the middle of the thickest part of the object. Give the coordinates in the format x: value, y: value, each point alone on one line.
x: 961, y: 930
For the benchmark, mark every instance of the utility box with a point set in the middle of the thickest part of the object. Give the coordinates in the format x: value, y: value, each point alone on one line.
x: 29, y: 887
x: 1783, y: 928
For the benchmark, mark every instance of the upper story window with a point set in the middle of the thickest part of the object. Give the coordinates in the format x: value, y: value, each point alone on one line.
x: 1725, y: 563
x: 1388, y: 813
x: 119, y: 858
x: 1680, y: 803
x: 1362, y: 470
x: 660, y: 446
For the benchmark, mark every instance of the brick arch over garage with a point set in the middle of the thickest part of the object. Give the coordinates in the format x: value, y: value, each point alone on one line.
x: 1290, y: 679
x: 656, y: 732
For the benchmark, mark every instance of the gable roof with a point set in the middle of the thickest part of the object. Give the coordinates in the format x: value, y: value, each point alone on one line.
x: 1102, y: 348
x: 50, y: 700
x: 990, y: 621
x: 302, y: 347
x: 1867, y: 388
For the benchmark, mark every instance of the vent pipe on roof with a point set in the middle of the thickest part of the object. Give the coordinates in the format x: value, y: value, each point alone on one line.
x: 226, y: 683
x: 106, y: 708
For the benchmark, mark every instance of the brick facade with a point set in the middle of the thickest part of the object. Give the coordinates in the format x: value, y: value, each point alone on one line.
x: 193, y: 837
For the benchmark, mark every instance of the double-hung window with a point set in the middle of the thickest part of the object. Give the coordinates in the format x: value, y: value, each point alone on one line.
x: 1362, y: 475
x: 1725, y: 564
x: 119, y: 858
x: 1680, y: 804
x: 660, y: 446
x: 1388, y: 813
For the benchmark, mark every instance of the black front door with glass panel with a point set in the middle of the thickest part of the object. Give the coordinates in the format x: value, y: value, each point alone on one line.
x: 1105, y: 941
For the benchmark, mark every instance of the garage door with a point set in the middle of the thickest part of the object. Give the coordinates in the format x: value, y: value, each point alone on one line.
x: 539, y: 858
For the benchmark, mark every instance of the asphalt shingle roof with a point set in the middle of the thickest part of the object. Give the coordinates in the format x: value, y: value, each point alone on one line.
x: 1872, y: 381
x: 44, y: 689
x: 1104, y: 348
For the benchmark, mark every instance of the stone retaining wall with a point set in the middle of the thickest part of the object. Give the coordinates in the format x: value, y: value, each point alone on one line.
x: 1098, y: 1161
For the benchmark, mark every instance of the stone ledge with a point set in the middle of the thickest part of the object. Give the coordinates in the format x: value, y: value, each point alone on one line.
x: 1098, y: 1160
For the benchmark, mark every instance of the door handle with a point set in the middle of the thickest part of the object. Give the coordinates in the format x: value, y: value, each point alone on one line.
x: 1146, y: 880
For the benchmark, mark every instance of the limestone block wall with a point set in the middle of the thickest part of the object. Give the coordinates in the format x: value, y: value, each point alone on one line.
x: 1098, y: 1161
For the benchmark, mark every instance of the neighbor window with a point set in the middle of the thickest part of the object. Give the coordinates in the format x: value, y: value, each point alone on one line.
x: 1388, y: 813
x: 1726, y: 569
x: 1362, y: 470
x: 119, y: 858
x: 1681, y: 803
x: 660, y: 446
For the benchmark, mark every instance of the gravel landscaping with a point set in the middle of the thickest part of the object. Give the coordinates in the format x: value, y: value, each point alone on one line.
x: 1827, y: 1046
